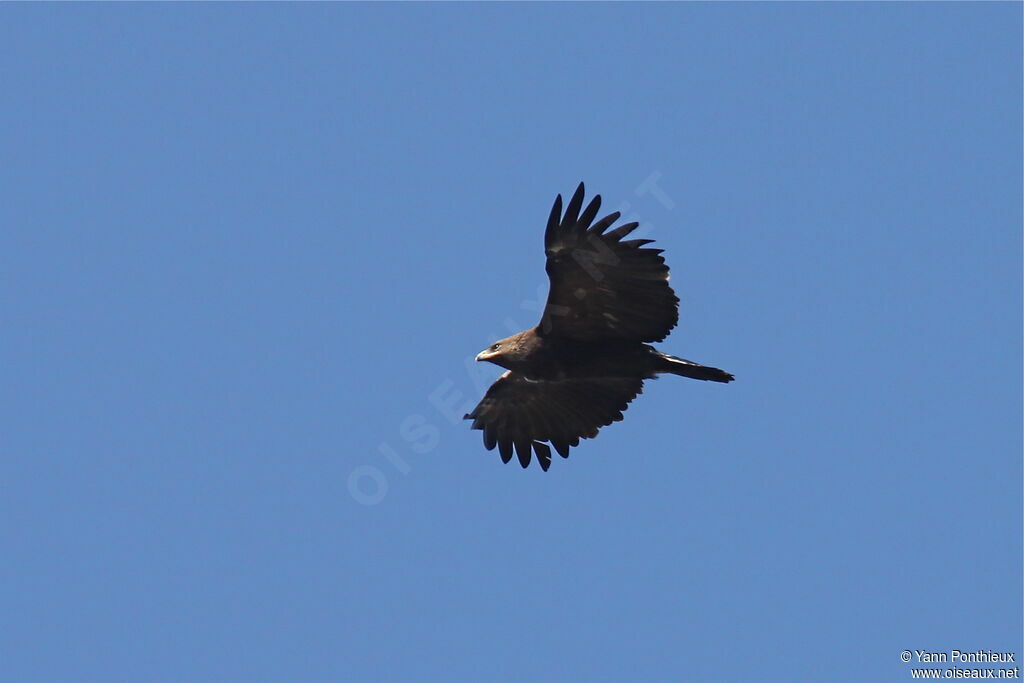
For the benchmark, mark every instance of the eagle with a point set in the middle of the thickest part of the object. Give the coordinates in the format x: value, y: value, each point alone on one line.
x: 579, y: 368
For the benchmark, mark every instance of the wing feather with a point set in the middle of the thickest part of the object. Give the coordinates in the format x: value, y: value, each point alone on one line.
x: 605, y: 223
x: 623, y: 230
x: 572, y: 211
x: 543, y: 455
x: 588, y: 214
x: 505, y: 450
x: 554, y: 219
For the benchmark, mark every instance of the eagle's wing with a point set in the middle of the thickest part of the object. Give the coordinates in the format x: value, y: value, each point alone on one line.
x: 603, y: 287
x: 521, y: 413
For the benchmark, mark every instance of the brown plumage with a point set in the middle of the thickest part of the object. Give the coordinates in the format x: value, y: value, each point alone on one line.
x: 588, y: 358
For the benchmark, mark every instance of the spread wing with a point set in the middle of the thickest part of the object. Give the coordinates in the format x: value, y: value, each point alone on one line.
x: 522, y: 413
x: 603, y: 287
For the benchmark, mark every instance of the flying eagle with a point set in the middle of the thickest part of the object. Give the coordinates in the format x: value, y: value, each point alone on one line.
x: 578, y: 369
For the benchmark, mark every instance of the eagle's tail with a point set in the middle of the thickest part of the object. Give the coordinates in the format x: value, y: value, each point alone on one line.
x: 686, y: 368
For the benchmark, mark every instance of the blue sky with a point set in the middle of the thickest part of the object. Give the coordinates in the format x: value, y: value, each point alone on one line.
x: 248, y: 251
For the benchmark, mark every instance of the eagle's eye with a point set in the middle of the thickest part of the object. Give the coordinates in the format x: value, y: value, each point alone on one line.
x: 495, y: 347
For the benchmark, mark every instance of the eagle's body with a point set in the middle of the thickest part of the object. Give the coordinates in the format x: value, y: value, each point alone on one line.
x: 587, y: 359
x: 556, y: 358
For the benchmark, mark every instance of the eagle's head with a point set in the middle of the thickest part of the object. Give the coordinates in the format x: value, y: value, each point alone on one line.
x: 510, y: 351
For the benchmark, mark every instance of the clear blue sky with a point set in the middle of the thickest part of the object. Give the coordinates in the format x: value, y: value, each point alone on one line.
x: 247, y: 251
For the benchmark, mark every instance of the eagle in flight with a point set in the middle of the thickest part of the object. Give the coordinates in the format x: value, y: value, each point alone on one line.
x: 578, y: 369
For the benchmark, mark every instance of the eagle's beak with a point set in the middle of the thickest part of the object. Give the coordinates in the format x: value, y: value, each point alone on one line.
x: 487, y: 354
